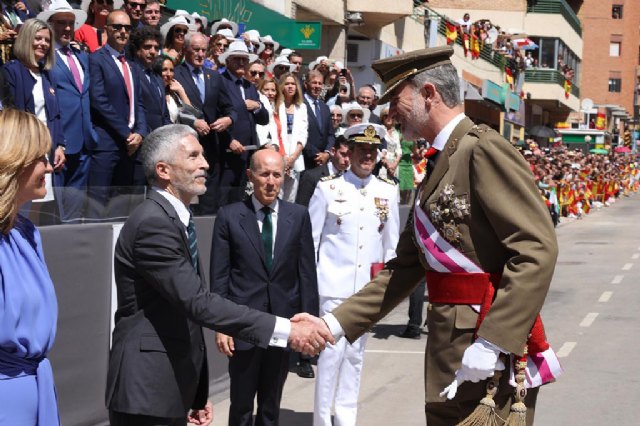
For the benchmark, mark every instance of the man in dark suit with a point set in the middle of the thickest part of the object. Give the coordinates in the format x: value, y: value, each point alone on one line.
x: 158, y: 367
x: 250, y: 111
x: 118, y: 116
x: 145, y: 46
x: 338, y: 163
x: 264, y: 258
x: 366, y: 98
x: 207, y: 93
x: 321, y: 135
x: 71, y: 73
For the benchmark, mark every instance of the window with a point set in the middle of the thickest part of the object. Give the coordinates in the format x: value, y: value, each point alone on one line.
x: 614, y: 48
x: 616, y: 11
x: 615, y: 85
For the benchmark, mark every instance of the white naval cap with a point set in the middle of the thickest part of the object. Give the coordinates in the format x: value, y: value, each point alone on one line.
x: 365, y: 133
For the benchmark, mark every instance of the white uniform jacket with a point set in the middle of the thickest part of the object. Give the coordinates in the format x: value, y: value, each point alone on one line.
x: 355, y: 223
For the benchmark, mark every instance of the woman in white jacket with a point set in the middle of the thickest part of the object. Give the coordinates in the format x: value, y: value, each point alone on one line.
x: 268, y: 91
x: 291, y: 112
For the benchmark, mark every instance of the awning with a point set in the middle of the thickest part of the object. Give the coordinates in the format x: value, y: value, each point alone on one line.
x: 286, y: 31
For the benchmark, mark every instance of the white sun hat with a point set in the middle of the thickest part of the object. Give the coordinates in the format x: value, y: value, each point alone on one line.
x: 202, y: 19
x: 222, y: 23
x: 176, y: 20
x: 62, y: 6
x: 254, y: 38
x: 269, y: 40
x: 281, y: 61
x: 237, y: 48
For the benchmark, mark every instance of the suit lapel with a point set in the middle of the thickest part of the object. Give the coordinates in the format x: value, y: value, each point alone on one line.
x: 171, y: 212
x: 442, y: 165
x: 249, y: 223
x: 66, y: 72
x: 285, y: 222
x: 190, y: 86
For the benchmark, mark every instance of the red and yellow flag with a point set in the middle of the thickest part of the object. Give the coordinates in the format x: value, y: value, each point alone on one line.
x: 451, y: 32
x: 567, y: 88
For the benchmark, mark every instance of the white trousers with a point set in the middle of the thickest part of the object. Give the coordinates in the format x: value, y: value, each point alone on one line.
x: 338, y: 377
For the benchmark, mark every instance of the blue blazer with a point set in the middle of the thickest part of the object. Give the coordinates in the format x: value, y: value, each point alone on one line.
x: 153, y: 96
x: 110, y: 102
x: 19, y: 83
x: 320, y: 139
x: 74, y: 105
x: 238, y: 269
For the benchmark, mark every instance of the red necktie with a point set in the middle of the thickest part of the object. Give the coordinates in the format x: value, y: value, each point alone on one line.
x: 127, y: 77
x: 430, y: 152
x: 73, y: 68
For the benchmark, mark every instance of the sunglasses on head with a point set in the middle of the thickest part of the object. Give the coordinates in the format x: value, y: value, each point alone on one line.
x: 120, y: 27
x: 259, y: 73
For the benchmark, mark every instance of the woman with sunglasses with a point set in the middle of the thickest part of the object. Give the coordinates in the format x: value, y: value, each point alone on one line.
x: 175, y: 95
x: 291, y: 111
x: 31, y: 86
x: 269, y: 134
x: 353, y: 114
x: 93, y: 33
x: 29, y: 310
x: 174, y: 33
x: 218, y: 44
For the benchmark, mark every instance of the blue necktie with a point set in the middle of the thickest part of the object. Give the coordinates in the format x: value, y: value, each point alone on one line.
x: 316, y: 107
x: 193, y: 242
x: 267, y: 237
x: 199, y: 82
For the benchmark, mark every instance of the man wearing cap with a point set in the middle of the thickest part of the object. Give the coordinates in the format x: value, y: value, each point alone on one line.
x: 71, y: 72
x: 480, y: 253
x: 250, y: 111
x: 355, y: 222
x: 207, y: 92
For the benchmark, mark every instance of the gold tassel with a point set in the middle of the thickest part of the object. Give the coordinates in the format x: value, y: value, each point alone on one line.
x: 518, y: 412
x: 485, y: 413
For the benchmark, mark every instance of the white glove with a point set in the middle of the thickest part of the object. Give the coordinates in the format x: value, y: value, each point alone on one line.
x: 480, y: 361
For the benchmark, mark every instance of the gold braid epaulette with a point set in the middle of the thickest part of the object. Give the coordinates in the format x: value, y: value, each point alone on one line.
x: 389, y: 181
x: 330, y: 177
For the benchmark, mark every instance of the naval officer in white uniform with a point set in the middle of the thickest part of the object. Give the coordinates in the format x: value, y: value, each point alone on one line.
x: 355, y: 222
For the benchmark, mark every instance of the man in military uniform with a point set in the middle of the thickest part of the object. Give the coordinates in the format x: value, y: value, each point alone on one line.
x: 355, y: 223
x: 482, y: 235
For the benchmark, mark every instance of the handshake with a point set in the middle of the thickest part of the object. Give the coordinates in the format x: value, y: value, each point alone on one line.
x: 308, y: 335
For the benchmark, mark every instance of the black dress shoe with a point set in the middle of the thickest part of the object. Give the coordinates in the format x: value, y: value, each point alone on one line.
x: 305, y: 370
x: 411, y: 333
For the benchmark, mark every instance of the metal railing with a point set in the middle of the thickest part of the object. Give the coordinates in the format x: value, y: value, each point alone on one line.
x: 550, y: 76
x: 558, y: 7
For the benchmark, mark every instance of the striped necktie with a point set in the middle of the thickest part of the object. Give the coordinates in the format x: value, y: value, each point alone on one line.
x: 267, y: 237
x: 193, y: 242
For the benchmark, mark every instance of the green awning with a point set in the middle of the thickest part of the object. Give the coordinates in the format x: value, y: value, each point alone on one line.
x: 286, y: 31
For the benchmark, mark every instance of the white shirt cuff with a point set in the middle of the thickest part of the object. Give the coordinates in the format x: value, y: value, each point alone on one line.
x: 487, y: 344
x: 281, y: 331
x: 334, y: 326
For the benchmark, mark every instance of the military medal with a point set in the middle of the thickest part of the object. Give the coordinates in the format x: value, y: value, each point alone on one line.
x: 450, y: 232
x: 382, y: 211
x: 363, y: 191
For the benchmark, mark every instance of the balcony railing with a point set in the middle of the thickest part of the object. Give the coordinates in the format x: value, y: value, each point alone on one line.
x: 555, y: 7
x: 550, y: 76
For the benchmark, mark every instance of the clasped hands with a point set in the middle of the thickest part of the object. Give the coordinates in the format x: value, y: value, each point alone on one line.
x: 309, y: 334
x: 479, y: 361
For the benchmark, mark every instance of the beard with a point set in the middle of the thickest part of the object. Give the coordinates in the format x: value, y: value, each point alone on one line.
x: 417, y: 119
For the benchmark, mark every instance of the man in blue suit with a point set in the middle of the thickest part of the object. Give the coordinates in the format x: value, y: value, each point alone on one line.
x: 71, y: 72
x: 250, y: 111
x: 262, y: 257
x: 118, y: 115
x: 321, y: 135
x: 205, y: 89
x: 145, y: 46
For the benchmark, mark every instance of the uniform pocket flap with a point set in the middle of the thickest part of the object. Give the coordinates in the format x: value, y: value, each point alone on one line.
x: 466, y: 317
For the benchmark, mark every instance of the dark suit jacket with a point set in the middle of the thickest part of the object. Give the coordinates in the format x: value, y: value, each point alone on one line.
x: 110, y: 102
x: 308, y: 182
x: 158, y: 358
x: 320, y: 139
x: 156, y: 111
x: 74, y: 105
x: 19, y: 85
x: 244, y: 130
x: 238, y: 269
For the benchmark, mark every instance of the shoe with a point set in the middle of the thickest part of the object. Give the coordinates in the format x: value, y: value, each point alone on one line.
x: 305, y: 370
x: 411, y: 333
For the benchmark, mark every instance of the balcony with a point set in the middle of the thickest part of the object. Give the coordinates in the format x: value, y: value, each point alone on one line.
x: 549, y: 76
x: 381, y: 13
x: 557, y: 7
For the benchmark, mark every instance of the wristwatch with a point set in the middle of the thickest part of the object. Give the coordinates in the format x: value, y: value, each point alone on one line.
x: 62, y: 147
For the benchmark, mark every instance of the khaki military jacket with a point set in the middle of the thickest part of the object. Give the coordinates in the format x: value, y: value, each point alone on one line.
x: 506, y: 229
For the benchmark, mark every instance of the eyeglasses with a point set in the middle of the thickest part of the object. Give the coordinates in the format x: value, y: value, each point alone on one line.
x: 356, y: 116
x: 268, y: 46
x: 180, y: 31
x: 225, y: 46
x: 64, y: 23
x: 133, y: 5
x: 336, y: 115
x: 120, y: 27
x: 259, y: 73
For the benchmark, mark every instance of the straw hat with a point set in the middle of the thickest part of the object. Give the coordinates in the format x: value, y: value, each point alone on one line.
x: 62, y: 6
x: 176, y: 20
x: 237, y: 48
x: 224, y: 22
x: 269, y: 40
x: 281, y: 61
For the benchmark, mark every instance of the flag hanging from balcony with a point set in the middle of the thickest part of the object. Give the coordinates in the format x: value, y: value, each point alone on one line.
x: 508, y: 77
x: 475, y: 47
x: 567, y: 88
x: 601, y: 121
x: 451, y: 32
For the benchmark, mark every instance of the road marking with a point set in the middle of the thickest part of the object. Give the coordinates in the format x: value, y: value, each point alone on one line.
x: 566, y: 349
x: 627, y: 266
x: 605, y: 296
x: 617, y: 279
x: 635, y: 255
x: 589, y: 319
x: 382, y: 351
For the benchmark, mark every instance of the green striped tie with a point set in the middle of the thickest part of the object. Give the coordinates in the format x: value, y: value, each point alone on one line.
x: 193, y: 242
x: 267, y: 236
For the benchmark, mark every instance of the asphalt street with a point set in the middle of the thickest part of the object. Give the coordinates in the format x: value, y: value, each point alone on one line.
x: 591, y: 316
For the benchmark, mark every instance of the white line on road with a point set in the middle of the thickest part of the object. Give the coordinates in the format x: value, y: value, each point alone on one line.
x: 635, y: 255
x: 566, y: 349
x: 627, y: 266
x: 617, y: 279
x: 605, y: 296
x: 589, y: 319
x: 382, y: 351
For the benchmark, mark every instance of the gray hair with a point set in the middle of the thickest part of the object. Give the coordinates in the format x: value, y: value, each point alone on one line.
x: 161, y: 145
x: 446, y: 81
x: 188, y: 39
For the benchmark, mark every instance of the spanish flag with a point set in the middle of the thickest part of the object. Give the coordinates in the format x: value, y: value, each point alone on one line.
x: 451, y: 32
x: 508, y: 77
x: 567, y: 88
x: 475, y: 47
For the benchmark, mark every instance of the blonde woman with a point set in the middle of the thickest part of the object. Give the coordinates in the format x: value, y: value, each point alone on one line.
x: 29, y: 310
x: 292, y: 114
x: 269, y: 134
